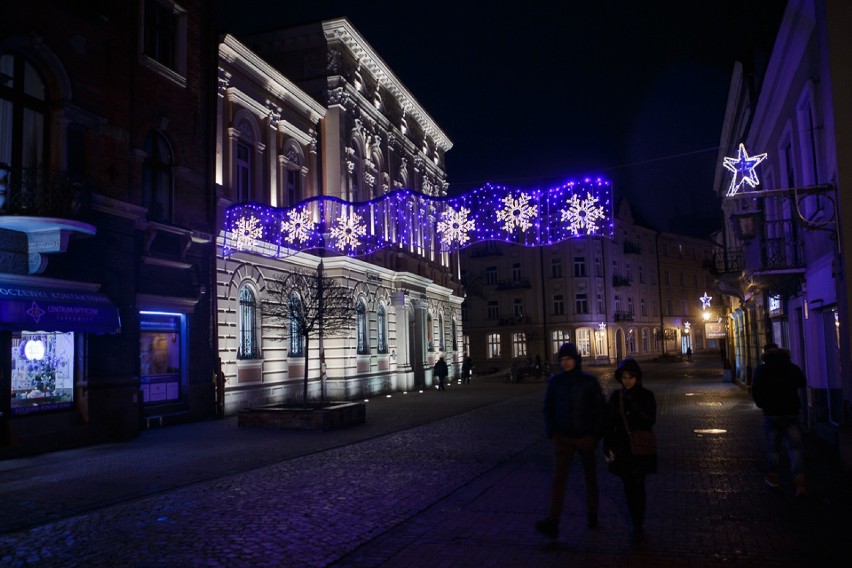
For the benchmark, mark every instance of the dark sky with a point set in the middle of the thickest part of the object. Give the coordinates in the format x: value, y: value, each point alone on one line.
x: 541, y: 91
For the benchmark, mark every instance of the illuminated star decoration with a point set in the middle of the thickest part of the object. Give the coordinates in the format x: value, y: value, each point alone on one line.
x: 348, y: 230
x: 298, y: 227
x: 686, y: 326
x: 602, y: 325
x: 705, y: 301
x: 454, y: 226
x: 583, y: 214
x: 743, y: 167
x: 517, y: 213
x: 248, y: 231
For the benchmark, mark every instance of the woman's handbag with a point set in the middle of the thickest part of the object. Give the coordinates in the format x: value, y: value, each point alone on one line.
x: 642, y: 442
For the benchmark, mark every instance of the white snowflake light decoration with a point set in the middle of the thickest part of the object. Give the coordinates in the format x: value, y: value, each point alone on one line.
x: 743, y: 167
x: 583, y: 215
x: 348, y: 230
x: 454, y: 226
x: 516, y: 213
x: 248, y: 231
x: 298, y: 226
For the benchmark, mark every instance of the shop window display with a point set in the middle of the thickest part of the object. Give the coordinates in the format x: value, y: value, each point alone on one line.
x: 42, y: 371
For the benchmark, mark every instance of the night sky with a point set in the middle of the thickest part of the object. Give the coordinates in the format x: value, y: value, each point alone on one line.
x: 538, y: 92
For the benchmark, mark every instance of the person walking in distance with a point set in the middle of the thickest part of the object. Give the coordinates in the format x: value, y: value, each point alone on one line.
x: 630, y: 408
x: 467, y: 369
x: 775, y: 390
x: 441, y: 371
x: 573, y: 416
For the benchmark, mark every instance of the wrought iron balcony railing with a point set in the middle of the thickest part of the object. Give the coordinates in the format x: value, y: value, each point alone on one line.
x: 620, y: 281
x: 40, y: 192
x: 622, y: 316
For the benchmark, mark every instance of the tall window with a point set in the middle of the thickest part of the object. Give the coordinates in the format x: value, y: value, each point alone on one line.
x: 519, y: 344
x: 584, y: 342
x: 430, y: 333
x: 558, y: 304
x: 598, y: 267
x: 630, y: 305
x: 243, y: 166
x: 292, y: 176
x: 581, y: 304
x: 493, y: 310
x: 556, y: 267
x: 248, y: 348
x: 455, y: 336
x: 297, y: 347
x: 361, y: 326
x: 579, y: 266
x: 157, y: 178
x: 493, y: 345
x: 643, y: 307
x: 357, y: 174
x: 516, y: 271
x: 641, y: 275
x: 491, y: 275
x: 646, y: 342
x: 669, y: 309
x: 466, y: 343
x: 442, y: 346
x: 600, y: 304
x: 631, y: 341
x: 557, y: 338
x: 381, y: 328
x: 23, y: 128
x: 161, y: 27
x: 628, y: 272
x: 518, y: 308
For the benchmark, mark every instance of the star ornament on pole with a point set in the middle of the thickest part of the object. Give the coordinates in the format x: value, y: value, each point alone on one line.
x: 705, y: 301
x: 743, y: 168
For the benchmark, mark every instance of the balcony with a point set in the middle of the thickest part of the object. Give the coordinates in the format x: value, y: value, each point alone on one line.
x: 513, y: 284
x: 725, y: 263
x: 513, y: 320
x: 622, y: 316
x: 40, y: 192
x: 620, y: 281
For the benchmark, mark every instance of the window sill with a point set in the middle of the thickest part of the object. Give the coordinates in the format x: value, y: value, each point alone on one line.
x: 157, y: 67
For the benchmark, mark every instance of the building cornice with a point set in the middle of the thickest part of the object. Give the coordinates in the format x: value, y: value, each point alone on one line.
x: 240, y: 56
x: 342, y: 32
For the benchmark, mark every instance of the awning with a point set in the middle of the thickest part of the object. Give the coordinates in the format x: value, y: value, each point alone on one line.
x: 31, y: 308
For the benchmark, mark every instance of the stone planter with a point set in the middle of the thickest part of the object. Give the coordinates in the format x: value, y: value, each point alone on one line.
x: 329, y: 416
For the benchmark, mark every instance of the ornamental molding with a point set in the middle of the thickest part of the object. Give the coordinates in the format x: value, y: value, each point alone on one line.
x: 341, y: 32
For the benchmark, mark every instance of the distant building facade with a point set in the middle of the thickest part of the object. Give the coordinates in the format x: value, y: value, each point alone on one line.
x: 602, y: 294
x: 106, y: 216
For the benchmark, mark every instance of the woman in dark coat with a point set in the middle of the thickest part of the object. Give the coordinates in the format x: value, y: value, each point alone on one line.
x: 640, y: 410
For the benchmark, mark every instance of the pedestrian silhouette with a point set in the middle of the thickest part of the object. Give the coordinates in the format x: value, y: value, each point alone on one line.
x: 467, y: 369
x: 689, y: 354
x: 441, y: 371
x: 631, y: 408
x: 573, y: 417
x: 775, y: 390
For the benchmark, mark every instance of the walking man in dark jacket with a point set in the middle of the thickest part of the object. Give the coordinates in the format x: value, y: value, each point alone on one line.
x: 775, y: 389
x: 441, y: 371
x: 573, y: 417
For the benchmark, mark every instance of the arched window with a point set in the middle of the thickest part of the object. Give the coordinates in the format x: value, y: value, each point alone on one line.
x: 157, y: 178
x: 361, y: 324
x: 430, y: 333
x: 357, y: 172
x: 381, y: 327
x: 441, y: 343
x: 23, y: 131
x: 297, y: 346
x: 455, y: 339
x: 248, y: 348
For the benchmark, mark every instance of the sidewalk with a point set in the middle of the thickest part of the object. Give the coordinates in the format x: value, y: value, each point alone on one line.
x: 454, y: 478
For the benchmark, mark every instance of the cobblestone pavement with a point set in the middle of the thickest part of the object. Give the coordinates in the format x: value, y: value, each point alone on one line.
x: 439, y: 479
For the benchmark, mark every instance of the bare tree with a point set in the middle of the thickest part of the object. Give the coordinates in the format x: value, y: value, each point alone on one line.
x: 311, y: 305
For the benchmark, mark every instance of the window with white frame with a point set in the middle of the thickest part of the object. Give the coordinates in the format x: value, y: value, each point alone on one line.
x: 556, y: 267
x: 297, y: 345
x: 557, y: 338
x: 631, y: 341
x: 441, y: 343
x: 248, y: 323
x: 493, y: 310
x: 519, y: 345
x: 581, y: 303
x: 243, y: 178
x: 518, y: 308
x: 600, y: 342
x: 164, y: 38
x: 584, y: 341
x: 493, y: 345
x: 558, y: 304
x: 579, y: 266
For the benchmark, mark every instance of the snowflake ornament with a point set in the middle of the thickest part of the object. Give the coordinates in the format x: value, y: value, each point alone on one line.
x: 298, y: 226
x: 583, y: 215
x: 516, y: 213
x: 248, y: 231
x: 454, y: 226
x: 348, y: 230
